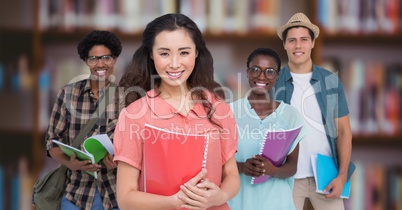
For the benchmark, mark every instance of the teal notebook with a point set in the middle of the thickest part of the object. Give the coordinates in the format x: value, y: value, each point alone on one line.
x: 325, y: 171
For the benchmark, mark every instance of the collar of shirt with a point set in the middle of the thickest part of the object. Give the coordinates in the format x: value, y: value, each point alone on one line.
x: 314, y: 77
x: 155, y: 104
x: 87, y: 87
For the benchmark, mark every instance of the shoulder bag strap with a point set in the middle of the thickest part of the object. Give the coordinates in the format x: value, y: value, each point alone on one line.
x: 95, y: 116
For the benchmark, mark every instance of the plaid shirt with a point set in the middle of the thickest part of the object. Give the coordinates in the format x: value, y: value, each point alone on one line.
x: 72, y: 110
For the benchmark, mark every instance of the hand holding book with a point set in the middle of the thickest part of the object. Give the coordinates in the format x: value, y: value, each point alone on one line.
x: 275, y: 148
x: 171, y: 159
x: 201, y: 192
x: 325, y: 170
x: 76, y: 164
x: 95, y: 148
x: 264, y: 165
x: 108, y: 161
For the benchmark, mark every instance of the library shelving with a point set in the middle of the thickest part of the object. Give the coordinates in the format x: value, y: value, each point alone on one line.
x: 38, y: 56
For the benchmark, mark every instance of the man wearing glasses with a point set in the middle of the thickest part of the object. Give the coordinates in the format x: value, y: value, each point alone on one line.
x: 75, y: 105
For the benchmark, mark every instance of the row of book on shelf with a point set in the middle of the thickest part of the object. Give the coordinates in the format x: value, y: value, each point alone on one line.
x: 16, y: 75
x: 15, y: 185
x: 353, y: 16
x: 131, y: 16
x: 374, y: 94
x: 360, y: 16
x: 375, y: 187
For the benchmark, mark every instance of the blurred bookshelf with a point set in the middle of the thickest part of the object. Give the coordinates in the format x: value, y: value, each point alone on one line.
x: 363, y: 45
x: 362, y: 41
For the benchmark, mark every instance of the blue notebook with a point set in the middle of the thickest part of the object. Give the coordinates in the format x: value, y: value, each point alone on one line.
x: 325, y: 171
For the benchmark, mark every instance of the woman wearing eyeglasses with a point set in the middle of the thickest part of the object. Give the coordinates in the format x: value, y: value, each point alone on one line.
x: 257, y: 114
x: 75, y: 104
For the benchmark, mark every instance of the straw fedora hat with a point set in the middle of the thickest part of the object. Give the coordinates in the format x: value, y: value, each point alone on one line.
x: 298, y: 19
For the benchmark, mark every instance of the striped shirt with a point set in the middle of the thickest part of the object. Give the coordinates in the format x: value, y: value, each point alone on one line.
x: 73, y: 108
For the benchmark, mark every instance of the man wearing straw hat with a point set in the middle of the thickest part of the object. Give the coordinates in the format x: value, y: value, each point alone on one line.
x: 311, y: 88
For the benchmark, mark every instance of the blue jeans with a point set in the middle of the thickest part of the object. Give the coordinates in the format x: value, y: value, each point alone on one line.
x: 96, y: 205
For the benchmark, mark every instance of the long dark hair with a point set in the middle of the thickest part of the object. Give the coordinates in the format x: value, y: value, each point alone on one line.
x: 141, y: 71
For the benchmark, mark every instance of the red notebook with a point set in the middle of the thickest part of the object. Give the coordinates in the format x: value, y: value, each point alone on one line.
x: 275, y: 148
x: 171, y: 159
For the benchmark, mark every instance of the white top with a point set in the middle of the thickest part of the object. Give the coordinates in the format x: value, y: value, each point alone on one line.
x: 305, y: 101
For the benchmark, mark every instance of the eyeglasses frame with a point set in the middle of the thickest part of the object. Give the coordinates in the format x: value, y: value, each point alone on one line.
x: 265, y: 72
x: 99, y: 58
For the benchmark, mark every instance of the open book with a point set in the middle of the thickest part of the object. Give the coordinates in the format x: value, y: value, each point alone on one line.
x: 95, y: 148
x: 171, y: 159
x: 325, y: 171
x: 275, y: 148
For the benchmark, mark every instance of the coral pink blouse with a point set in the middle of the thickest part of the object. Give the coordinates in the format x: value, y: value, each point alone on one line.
x: 154, y: 110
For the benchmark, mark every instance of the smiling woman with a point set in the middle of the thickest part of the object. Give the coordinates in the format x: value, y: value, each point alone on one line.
x: 174, y: 61
x: 172, y: 73
x: 258, y: 116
